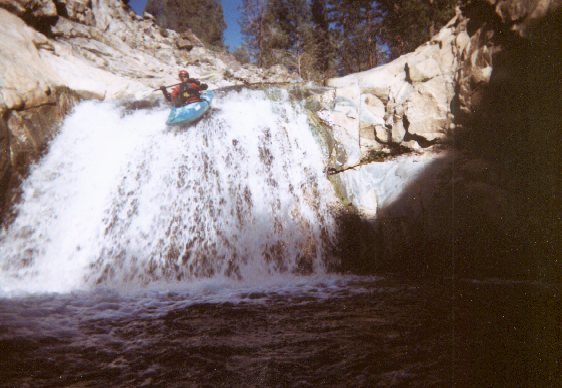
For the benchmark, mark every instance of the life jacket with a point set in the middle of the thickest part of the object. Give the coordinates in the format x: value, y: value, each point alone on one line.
x: 187, y: 92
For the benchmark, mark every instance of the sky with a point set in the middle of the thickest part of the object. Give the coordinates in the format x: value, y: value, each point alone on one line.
x: 232, y: 34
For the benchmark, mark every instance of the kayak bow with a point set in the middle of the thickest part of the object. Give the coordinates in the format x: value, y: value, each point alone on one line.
x: 192, y: 112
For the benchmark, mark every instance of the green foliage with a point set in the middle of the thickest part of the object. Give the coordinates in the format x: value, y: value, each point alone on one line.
x: 242, y: 54
x: 356, y: 28
x: 280, y: 32
x: 322, y: 38
x: 252, y: 25
x: 325, y: 60
x: 409, y: 23
x: 203, y: 17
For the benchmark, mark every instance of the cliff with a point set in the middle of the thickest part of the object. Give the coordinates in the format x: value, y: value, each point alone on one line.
x: 449, y: 154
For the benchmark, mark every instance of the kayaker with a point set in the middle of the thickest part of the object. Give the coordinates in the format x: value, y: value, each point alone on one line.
x: 187, y: 92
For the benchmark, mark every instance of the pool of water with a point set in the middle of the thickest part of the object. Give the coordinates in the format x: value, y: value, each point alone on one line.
x: 330, y: 331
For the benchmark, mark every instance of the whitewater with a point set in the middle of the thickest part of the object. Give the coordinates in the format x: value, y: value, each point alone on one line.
x: 121, y: 200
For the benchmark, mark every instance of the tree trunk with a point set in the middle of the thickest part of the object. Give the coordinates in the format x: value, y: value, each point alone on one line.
x: 260, y: 42
x: 371, y: 43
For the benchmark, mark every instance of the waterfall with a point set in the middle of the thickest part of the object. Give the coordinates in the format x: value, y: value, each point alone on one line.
x: 121, y: 199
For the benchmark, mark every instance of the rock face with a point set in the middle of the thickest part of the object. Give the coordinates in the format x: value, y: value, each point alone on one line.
x: 56, y: 52
x: 407, y: 102
x: 448, y: 153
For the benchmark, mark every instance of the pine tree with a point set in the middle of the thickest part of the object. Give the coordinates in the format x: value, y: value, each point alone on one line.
x: 281, y: 32
x: 325, y: 51
x: 204, y: 18
x: 252, y: 25
x: 356, y: 29
x: 278, y: 34
x: 409, y: 23
x: 297, y: 34
x: 242, y: 54
x: 319, y: 38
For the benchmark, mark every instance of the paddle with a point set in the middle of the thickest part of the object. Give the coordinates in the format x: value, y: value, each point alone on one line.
x: 169, y: 86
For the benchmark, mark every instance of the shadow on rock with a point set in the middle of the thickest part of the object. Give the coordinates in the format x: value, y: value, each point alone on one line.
x: 493, y: 210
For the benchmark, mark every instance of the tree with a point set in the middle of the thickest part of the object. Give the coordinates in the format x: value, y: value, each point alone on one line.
x: 356, y: 26
x: 409, y: 23
x: 319, y: 38
x: 242, y: 54
x: 252, y: 25
x: 204, y: 18
x: 325, y: 51
x: 294, y: 38
x: 280, y: 32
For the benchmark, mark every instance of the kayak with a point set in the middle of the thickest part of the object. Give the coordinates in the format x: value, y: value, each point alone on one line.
x: 192, y: 112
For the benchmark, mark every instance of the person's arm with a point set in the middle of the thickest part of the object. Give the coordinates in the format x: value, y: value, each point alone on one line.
x: 177, y: 98
x: 165, y: 93
x: 200, y: 86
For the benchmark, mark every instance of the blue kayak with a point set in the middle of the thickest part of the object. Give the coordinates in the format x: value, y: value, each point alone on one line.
x: 192, y: 112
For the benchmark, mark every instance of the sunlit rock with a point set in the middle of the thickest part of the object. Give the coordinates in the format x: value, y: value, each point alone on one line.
x: 77, y: 10
x: 374, y: 187
x: 427, y: 110
x: 409, y: 95
x: 424, y: 67
x: 37, y: 8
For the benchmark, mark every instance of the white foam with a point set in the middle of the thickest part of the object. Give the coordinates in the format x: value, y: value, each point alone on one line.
x: 122, y: 200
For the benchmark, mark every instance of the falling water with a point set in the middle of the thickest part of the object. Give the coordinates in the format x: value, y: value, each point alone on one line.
x: 121, y: 199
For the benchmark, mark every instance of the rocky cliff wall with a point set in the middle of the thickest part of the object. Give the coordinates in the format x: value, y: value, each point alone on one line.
x: 57, y: 52
x: 449, y: 153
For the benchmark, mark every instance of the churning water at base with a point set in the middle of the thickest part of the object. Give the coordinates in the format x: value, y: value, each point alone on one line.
x: 121, y: 200
x: 334, y: 331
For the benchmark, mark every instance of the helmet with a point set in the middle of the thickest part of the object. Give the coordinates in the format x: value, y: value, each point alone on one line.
x: 183, y: 73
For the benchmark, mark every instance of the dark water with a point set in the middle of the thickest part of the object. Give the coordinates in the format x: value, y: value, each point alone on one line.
x: 339, y: 332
